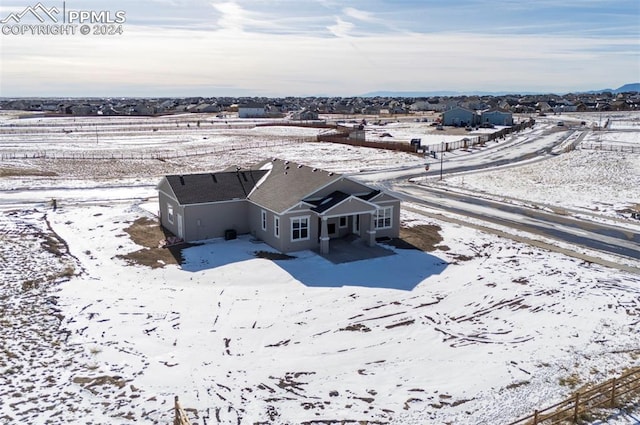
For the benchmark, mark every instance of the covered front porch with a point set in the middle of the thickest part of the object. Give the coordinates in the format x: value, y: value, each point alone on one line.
x: 341, y: 215
x: 353, y: 248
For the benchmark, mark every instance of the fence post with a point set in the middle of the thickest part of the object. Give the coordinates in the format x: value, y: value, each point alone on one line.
x: 176, y: 409
x: 535, y: 418
x: 613, y: 393
x: 575, y: 410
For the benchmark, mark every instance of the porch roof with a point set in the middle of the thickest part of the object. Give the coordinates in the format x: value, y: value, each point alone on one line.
x: 341, y: 203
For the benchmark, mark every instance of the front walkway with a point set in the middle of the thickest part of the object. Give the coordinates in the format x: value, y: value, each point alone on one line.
x: 352, y: 248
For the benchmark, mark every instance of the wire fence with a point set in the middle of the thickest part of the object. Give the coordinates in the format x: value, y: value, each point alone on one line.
x: 610, y: 148
x: 616, y: 392
x: 161, y: 156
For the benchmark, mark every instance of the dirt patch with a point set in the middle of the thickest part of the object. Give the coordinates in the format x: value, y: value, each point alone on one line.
x: 423, y: 237
x: 22, y: 172
x: 273, y: 255
x: 358, y: 327
x: 148, y: 233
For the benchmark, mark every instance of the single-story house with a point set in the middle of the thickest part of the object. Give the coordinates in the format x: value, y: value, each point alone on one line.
x: 460, y: 117
x: 496, y: 117
x: 289, y: 206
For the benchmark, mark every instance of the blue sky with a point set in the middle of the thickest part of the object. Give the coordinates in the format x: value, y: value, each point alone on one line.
x: 328, y: 47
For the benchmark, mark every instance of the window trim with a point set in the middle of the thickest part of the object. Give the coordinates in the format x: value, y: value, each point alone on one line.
x: 382, y: 215
x: 276, y: 226
x: 299, y: 219
x: 346, y: 222
x: 263, y: 220
x: 170, y: 215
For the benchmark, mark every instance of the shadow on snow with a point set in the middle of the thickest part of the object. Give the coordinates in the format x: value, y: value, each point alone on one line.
x: 401, y: 269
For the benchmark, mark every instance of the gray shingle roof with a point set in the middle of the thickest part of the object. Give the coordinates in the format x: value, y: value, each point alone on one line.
x: 289, y: 183
x: 214, y: 187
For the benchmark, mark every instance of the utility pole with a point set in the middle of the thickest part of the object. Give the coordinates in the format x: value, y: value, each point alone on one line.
x: 441, y: 158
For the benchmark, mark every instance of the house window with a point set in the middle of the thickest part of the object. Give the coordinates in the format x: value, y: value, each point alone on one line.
x: 276, y: 226
x: 170, y: 213
x: 299, y: 228
x: 343, y: 222
x: 383, y: 218
x: 264, y: 219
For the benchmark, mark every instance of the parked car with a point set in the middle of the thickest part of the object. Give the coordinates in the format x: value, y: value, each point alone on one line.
x: 560, y: 123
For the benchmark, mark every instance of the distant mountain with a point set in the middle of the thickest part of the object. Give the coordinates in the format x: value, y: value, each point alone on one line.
x: 632, y: 87
x: 628, y: 88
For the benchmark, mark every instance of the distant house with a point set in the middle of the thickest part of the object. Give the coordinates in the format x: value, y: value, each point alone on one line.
x: 543, y: 107
x: 305, y: 115
x: 206, y: 108
x: 565, y: 106
x: 143, y: 109
x: 83, y: 109
x: 460, y: 117
x: 289, y: 206
x: 252, y: 110
x: 496, y: 117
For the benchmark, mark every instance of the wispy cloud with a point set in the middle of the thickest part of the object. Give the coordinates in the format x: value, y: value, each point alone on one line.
x: 341, y: 28
x: 232, y: 16
x: 361, y: 15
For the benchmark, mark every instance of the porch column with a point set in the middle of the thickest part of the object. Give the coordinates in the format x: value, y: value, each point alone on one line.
x: 371, y: 233
x: 324, y: 237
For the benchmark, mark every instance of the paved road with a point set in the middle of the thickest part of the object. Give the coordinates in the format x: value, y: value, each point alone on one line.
x: 597, y: 236
x: 541, y: 143
x: 537, y: 144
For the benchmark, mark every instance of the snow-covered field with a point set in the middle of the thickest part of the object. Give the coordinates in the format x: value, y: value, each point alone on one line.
x: 482, y: 330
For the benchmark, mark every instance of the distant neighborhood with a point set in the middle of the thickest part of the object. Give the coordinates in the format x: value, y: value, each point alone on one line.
x: 308, y: 108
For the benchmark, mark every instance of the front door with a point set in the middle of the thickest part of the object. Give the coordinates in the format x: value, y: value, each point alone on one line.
x: 356, y: 224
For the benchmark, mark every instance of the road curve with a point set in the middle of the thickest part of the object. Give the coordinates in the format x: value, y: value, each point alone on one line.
x: 601, y: 237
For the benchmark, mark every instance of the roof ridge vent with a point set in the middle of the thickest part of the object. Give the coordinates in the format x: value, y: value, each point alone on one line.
x: 331, y: 173
x: 300, y: 165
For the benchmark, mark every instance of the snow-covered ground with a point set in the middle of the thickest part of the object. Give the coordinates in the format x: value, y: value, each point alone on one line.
x: 482, y: 330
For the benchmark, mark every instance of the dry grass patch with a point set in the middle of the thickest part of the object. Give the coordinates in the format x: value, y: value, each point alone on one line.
x: 148, y: 233
x: 423, y: 237
x: 22, y: 172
